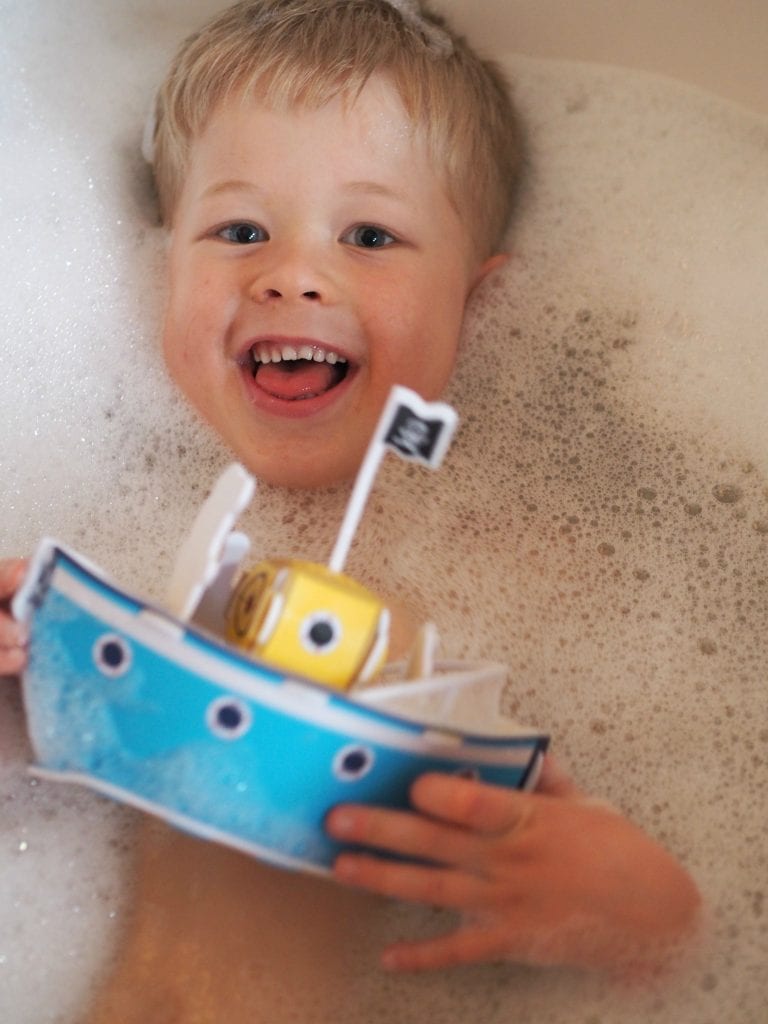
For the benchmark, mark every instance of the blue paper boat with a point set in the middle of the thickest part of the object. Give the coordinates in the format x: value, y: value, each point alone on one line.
x: 151, y: 706
x: 131, y: 701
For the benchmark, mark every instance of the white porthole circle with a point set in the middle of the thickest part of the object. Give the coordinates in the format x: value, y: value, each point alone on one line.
x: 320, y: 632
x: 228, y: 718
x: 353, y: 762
x: 112, y: 655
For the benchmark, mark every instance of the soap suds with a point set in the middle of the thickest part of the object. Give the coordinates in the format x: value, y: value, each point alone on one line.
x: 600, y: 525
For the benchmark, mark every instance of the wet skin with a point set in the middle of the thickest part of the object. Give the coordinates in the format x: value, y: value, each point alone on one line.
x: 326, y: 231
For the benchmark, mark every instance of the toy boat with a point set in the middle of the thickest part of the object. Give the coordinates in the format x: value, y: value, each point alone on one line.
x: 152, y: 708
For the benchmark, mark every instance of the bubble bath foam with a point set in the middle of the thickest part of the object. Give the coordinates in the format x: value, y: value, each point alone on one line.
x: 606, y: 497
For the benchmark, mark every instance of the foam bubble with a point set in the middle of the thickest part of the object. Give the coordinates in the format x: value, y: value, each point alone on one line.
x: 600, y: 524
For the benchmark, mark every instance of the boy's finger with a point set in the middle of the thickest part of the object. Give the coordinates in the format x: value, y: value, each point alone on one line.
x: 11, y: 574
x: 474, y: 805
x: 404, y: 833
x: 465, y: 946
x: 416, y: 883
x: 555, y: 781
x: 12, y: 634
x: 12, y: 661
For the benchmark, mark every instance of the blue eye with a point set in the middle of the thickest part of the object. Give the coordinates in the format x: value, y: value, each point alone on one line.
x: 242, y: 233
x: 368, y: 236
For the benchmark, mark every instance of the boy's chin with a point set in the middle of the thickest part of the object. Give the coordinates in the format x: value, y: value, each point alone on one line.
x: 297, y: 473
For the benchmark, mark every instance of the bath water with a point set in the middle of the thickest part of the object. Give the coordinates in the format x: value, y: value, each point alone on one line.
x: 601, y: 523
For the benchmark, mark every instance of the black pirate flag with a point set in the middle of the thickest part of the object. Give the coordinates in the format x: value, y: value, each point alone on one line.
x: 418, y: 430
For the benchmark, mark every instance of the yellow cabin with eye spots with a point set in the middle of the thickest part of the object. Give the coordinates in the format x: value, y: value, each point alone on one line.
x: 305, y: 618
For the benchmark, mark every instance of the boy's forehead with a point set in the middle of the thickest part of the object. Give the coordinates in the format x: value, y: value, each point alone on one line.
x: 376, y: 110
x: 371, y: 131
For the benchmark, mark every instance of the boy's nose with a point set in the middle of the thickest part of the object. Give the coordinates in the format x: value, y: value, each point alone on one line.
x: 265, y: 294
x: 290, y: 279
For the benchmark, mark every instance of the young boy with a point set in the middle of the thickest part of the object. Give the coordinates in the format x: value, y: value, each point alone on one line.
x: 336, y: 180
x: 340, y: 206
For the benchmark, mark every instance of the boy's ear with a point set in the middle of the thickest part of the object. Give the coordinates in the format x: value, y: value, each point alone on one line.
x: 491, y: 264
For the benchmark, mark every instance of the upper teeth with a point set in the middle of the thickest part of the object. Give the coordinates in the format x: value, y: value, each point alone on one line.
x: 277, y: 353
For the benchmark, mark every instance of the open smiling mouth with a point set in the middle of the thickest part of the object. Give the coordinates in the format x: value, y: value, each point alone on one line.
x: 296, y: 372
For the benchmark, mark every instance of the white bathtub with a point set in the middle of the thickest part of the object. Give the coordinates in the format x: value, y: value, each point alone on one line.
x: 717, y: 45
x: 87, y: 459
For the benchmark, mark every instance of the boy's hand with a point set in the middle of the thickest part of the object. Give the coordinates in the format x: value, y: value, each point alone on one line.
x: 13, y: 635
x: 548, y: 878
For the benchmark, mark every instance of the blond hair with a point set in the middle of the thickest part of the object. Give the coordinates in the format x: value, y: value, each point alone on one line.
x: 306, y: 52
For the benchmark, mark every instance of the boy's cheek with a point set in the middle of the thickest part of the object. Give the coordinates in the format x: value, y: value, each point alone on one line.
x: 175, y: 354
x: 183, y: 328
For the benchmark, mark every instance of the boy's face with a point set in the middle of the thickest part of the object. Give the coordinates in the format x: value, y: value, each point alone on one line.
x: 319, y: 234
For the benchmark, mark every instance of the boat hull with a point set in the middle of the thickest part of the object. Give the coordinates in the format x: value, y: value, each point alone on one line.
x: 124, y: 698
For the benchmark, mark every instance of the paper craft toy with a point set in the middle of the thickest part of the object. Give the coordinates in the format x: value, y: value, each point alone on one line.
x: 224, y: 711
x: 302, y: 617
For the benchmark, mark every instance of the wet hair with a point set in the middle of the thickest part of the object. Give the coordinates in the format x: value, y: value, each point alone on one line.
x: 288, y: 53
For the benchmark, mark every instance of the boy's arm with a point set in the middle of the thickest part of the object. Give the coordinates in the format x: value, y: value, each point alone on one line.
x: 13, y: 635
x: 550, y: 877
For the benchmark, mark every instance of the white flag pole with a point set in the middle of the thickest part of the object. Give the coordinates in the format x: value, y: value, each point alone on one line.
x: 357, y: 501
x: 363, y: 484
x: 398, y: 396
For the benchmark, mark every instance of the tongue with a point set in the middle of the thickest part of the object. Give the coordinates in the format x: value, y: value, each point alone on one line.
x: 299, y: 378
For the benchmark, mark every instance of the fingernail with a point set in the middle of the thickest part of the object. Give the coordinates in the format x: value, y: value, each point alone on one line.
x: 341, y: 823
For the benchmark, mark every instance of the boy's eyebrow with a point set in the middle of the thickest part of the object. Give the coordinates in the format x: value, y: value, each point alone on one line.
x: 230, y: 186
x: 375, y: 188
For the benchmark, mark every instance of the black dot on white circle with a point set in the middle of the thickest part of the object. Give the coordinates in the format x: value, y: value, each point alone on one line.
x: 353, y: 763
x: 228, y: 718
x: 320, y: 632
x: 112, y: 655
